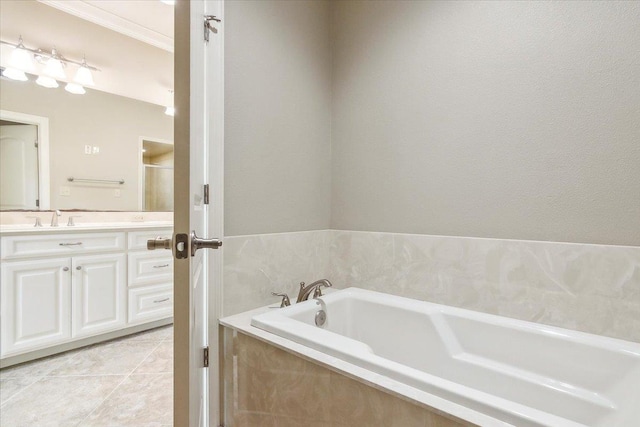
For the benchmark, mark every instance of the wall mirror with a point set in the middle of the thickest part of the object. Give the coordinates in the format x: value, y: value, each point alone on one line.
x: 103, y: 145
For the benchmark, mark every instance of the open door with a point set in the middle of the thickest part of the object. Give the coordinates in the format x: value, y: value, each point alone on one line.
x: 198, y: 210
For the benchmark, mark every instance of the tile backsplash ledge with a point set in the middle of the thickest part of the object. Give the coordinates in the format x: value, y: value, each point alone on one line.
x: 585, y: 287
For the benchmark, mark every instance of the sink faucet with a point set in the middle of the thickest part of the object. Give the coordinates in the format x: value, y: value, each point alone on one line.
x: 315, y: 287
x: 54, y: 218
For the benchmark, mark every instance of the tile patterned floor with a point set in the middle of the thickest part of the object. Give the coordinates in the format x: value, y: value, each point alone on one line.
x: 121, y: 383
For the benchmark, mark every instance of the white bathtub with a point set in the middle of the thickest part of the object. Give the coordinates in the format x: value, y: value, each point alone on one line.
x: 522, y: 373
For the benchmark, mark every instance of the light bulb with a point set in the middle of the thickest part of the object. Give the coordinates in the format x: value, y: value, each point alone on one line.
x: 75, y: 89
x: 47, y: 82
x: 83, y: 75
x: 53, y: 67
x: 169, y: 2
x: 13, y: 74
x: 170, y: 111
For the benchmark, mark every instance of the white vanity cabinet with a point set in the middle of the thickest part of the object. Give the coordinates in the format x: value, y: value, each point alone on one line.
x: 63, y: 286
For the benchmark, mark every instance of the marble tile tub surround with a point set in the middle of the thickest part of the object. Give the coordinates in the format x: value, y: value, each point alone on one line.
x: 590, y: 288
x: 256, y: 265
x: 267, y: 386
x: 82, y: 217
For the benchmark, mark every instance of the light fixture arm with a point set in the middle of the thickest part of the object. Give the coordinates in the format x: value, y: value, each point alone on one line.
x: 42, y: 54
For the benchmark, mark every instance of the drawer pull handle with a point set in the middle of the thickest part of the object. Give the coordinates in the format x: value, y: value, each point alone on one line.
x: 71, y: 244
x: 65, y: 269
x: 160, y: 300
x: 161, y: 266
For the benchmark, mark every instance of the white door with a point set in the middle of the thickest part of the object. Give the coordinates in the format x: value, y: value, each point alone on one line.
x: 18, y: 167
x: 197, y: 140
x: 36, y: 304
x: 98, y: 295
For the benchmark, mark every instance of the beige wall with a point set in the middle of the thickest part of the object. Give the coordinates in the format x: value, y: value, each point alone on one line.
x: 277, y: 116
x: 497, y: 119
x: 113, y: 123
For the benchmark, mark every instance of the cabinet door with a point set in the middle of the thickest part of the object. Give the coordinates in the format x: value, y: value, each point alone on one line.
x: 36, y: 304
x: 99, y: 294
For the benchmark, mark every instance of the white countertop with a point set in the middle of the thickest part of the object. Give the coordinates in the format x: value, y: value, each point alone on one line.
x: 242, y: 323
x: 63, y: 228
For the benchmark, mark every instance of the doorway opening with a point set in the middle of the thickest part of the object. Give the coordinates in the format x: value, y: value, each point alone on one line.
x: 156, y: 178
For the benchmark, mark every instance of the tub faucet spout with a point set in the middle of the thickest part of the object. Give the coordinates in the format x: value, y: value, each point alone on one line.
x: 315, y: 288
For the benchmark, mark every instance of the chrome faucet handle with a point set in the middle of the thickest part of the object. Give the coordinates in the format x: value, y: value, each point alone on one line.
x: 286, y: 302
x: 38, y: 222
x: 70, y: 223
x: 317, y: 292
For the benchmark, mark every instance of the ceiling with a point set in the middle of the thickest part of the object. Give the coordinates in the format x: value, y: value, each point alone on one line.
x: 130, y: 41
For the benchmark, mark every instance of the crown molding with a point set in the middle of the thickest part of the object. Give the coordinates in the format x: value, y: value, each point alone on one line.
x: 113, y: 22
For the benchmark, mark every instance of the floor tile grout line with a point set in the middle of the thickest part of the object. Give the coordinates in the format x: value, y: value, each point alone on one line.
x: 39, y: 377
x: 19, y: 391
x: 103, y: 400
x: 119, y: 384
x: 94, y: 346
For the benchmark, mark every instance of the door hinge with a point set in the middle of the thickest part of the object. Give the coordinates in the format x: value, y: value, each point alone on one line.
x: 35, y: 143
x: 206, y: 194
x: 208, y: 27
x: 206, y: 356
x: 37, y: 203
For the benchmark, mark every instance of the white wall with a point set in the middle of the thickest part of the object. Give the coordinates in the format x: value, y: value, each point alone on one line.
x: 112, y: 122
x: 277, y: 116
x: 495, y: 119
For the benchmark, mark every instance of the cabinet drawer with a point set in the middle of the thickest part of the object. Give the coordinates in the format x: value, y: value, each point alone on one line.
x: 138, y: 239
x: 150, y: 267
x: 61, y: 244
x: 150, y: 303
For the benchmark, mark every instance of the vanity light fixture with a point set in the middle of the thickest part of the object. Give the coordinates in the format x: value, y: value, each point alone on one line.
x: 170, y: 110
x: 53, y: 66
x: 48, y: 82
x: 14, y: 74
x: 83, y: 75
x: 22, y: 59
x: 75, y: 88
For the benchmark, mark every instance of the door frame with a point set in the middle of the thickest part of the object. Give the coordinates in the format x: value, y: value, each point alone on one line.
x: 44, y: 173
x: 189, y: 32
x: 215, y: 271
